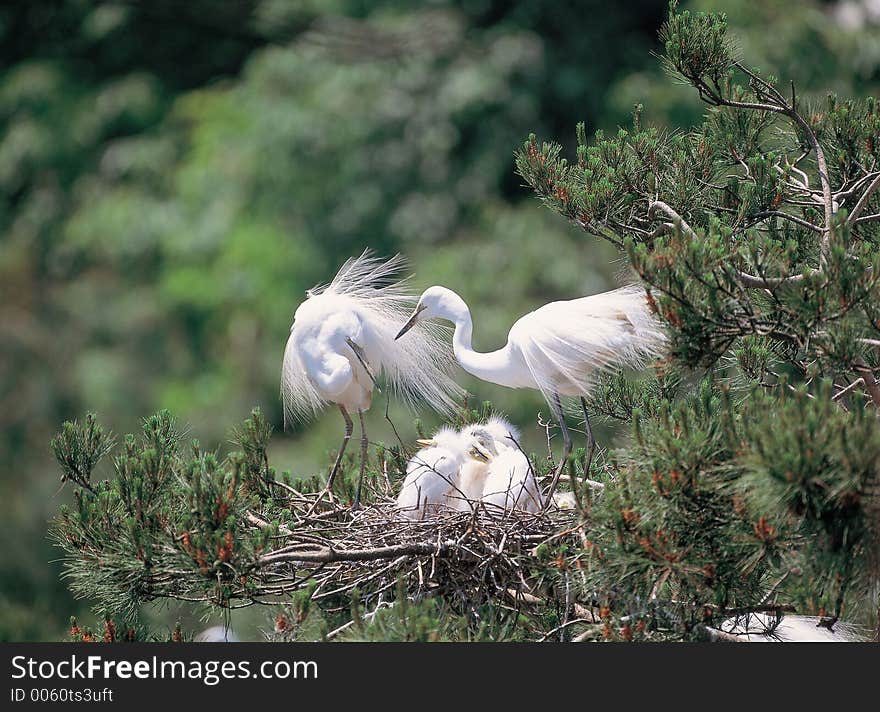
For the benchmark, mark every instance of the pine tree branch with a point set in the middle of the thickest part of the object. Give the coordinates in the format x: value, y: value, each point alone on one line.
x: 755, y: 282
x: 863, y: 201
x: 821, y: 163
x: 329, y: 554
x: 746, y: 279
x: 790, y: 111
x: 871, y: 385
x: 848, y: 389
x: 785, y: 216
x: 716, y: 635
x: 659, y: 205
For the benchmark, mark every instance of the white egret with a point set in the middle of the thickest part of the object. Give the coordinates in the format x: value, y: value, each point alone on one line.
x: 492, y: 436
x: 556, y: 348
x: 342, y: 339
x: 765, y: 628
x: 434, y: 474
x: 217, y: 634
x: 510, y: 479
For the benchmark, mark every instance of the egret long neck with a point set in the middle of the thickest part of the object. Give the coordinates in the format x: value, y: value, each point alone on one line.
x: 491, y: 366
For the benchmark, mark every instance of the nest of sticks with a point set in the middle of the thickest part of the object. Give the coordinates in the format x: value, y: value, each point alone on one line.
x: 468, y: 558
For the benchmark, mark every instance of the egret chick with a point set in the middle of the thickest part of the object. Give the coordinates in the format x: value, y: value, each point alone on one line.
x: 342, y: 341
x: 502, y: 434
x: 555, y: 349
x: 505, y: 433
x: 483, y: 445
x: 510, y: 479
x: 511, y: 483
x: 433, y: 474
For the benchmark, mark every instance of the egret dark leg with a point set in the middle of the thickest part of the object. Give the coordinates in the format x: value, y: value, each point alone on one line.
x: 349, y: 428
x: 556, y: 405
x: 591, y: 441
x: 364, y: 444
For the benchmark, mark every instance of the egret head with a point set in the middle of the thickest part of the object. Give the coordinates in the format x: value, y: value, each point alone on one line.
x: 435, y: 303
x: 505, y: 433
x: 444, y: 437
x: 473, y: 441
x: 479, y: 442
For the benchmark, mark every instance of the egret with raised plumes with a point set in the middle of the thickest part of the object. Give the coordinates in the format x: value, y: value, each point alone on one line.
x: 343, y: 340
x: 556, y: 349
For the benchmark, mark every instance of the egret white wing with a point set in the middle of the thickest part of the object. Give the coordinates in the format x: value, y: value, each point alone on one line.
x: 299, y: 395
x: 563, y: 343
x: 366, y: 287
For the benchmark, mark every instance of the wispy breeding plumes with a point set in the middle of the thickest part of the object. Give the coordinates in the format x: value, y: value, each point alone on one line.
x: 566, y: 343
x: 370, y: 289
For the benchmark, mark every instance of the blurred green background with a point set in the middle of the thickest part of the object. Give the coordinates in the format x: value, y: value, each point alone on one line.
x: 174, y: 176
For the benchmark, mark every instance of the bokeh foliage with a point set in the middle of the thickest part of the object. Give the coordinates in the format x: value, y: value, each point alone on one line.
x: 173, y: 177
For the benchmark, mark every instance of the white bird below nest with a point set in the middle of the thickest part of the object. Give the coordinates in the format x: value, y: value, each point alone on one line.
x: 766, y: 628
x: 217, y: 634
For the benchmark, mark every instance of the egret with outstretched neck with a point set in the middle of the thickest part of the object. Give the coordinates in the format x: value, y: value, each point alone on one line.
x: 556, y: 349
x: 343, y: 340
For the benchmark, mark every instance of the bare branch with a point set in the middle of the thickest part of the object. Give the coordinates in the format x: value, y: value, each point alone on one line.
x: 863, y: 201
x: 860, y: 367
x: 750, y: 280
x: 659, y: 205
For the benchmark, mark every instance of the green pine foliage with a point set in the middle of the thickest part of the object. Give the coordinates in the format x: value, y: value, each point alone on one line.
x: 167, y: 522
x: 756, y: 236
x: 751, y: 480
x: 174, y: 522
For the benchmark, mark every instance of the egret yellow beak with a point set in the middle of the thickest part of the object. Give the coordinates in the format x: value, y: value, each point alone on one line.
x: 412, y: 321
x: 425, y: 443
x: 478, y: 452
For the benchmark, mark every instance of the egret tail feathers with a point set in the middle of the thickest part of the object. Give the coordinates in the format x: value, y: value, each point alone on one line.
x: 568, y: 343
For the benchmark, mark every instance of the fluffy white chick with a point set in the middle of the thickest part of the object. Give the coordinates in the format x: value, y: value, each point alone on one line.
x: 434, y: 474
x: 510, y: 480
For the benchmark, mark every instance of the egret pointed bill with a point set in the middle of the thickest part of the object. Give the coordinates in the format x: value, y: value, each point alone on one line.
x: 412, y: 321
x: 478, y: 452
x: 556, y: 348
